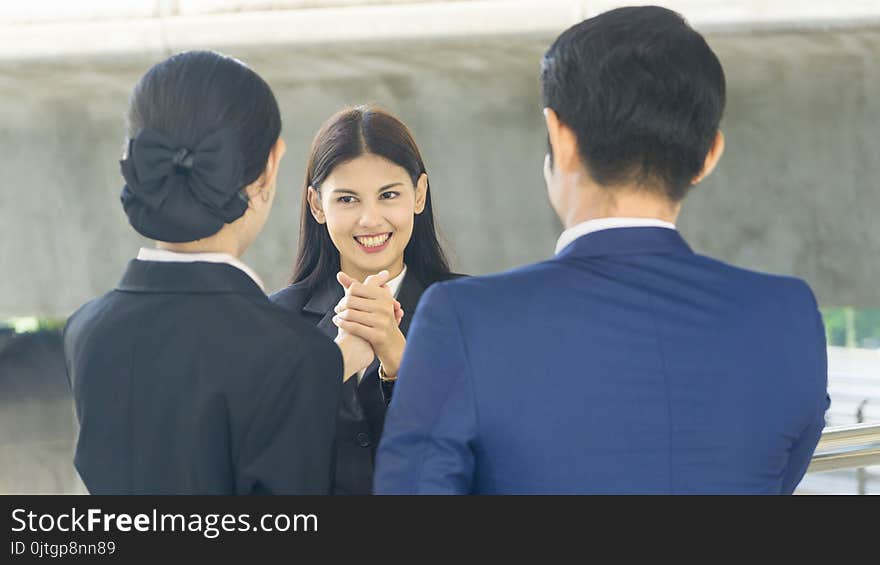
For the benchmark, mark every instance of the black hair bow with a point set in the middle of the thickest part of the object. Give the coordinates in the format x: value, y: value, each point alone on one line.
x: 175, y: 193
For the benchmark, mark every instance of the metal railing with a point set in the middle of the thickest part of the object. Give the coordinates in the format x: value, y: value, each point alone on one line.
x: 847, y: 447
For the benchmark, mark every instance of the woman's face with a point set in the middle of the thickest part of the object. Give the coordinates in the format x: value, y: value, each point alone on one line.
x: 369, y: 204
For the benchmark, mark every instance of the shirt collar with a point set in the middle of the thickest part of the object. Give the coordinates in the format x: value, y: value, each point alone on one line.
x: 598, y: 224
x: 394, y: 284
x: 165, y: 256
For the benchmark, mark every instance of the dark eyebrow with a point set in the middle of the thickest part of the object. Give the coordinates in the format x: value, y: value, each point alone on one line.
x: 352, y: 192
x: 387, y: 186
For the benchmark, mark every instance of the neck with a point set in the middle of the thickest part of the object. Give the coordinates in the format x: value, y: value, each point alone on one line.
x: 595, y: 202
x: 393, y: 271
x: 224, y: 241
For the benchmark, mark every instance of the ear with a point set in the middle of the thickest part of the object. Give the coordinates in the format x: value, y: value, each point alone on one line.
x: 274, y: 161
x: 712, y: 158
x: 421, y: 193
x: 265, y: 184
x: 563, y: 141
x: 315, y: 205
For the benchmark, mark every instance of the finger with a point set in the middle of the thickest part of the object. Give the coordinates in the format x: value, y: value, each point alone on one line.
x: 368, y: 291
x: 364, y: 318
x: 351, y: 302
x: 344, y: 279
x: 357, y: 329
x: 378, y: 279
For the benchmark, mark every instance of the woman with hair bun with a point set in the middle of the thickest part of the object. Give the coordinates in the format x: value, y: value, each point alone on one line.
x: 186, y: 378
x: 367, y: 219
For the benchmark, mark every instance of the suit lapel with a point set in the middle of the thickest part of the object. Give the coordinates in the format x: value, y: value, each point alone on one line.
x: 411, y: 290
x: 373, y: 368
x: 321, y: 303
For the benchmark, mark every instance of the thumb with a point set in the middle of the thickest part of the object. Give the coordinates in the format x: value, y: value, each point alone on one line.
x: 378, y: 279
x: 344, y: 280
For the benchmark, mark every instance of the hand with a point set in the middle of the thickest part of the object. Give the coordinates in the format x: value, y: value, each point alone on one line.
x: 369, y: 311
x: 346, y: 282
x: 357, y: 353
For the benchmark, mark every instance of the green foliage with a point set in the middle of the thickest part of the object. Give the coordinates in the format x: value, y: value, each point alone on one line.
x: 33, y: 325
x: 52, y: 325
x: 852, y: 327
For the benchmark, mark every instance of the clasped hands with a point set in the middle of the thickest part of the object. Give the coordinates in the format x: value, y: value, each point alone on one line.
x: 368, y: 321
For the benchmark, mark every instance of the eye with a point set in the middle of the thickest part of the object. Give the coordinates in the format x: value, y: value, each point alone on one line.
x: 389, y: 195
x: 346, y: 199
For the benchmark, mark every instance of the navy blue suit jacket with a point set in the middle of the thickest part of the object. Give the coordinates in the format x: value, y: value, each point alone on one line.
x: 625, y: 364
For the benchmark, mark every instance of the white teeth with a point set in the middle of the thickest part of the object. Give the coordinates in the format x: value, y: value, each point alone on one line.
x: 373, y: 241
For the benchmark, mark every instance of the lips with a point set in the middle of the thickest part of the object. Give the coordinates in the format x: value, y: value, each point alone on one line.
x: 373, y: 243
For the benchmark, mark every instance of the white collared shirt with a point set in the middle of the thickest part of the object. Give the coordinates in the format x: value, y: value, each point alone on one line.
x: 394, y: 286
x: 165, y: 256
x: 598, y: 224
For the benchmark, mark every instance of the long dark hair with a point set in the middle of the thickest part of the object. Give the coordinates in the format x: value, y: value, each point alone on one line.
x: 348, y: 134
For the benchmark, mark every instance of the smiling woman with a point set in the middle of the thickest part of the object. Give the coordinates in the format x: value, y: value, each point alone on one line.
x: 365, y: 174
x: 366, y: 209
x: 368, y: 205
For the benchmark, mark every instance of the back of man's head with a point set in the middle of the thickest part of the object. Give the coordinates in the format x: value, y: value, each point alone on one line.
x: 643, y: 93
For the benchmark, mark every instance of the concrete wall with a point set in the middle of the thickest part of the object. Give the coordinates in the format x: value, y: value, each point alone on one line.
x: 37, y: 424
x: 796, y: 192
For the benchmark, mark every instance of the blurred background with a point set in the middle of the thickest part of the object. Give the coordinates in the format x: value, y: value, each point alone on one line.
x: 796, y: 192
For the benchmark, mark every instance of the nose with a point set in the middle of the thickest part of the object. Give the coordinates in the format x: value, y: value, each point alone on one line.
x: 371, y: 216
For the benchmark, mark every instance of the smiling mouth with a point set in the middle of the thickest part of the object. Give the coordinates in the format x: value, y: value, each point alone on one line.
x: 373, y: 242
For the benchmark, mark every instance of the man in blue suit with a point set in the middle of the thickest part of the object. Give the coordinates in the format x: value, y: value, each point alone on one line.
x: 627, y: 363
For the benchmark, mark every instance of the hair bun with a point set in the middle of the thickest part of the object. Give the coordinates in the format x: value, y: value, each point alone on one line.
x: 176, y: 194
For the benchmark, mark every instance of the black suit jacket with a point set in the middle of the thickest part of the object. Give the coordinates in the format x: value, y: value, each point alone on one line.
x: 187, y: 380
x: 363, y: 406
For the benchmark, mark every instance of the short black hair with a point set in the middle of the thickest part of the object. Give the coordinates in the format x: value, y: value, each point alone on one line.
x: 643, y: 93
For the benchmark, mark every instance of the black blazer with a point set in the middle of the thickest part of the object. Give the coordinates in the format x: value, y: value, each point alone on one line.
x: 187, y: 380
x: 362, y: 407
